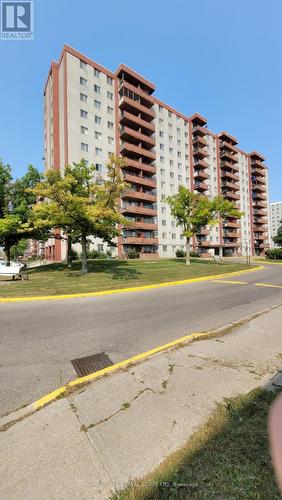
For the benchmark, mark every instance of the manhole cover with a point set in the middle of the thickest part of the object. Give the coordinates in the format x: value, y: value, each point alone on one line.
x: 90, y: 364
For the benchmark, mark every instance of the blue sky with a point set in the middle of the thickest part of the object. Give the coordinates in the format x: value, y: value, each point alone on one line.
x: 221, y: 58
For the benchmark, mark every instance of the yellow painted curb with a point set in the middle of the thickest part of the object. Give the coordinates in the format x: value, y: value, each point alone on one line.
x: 132, y: 289
x: 110, y: 369
x: 268, y: 262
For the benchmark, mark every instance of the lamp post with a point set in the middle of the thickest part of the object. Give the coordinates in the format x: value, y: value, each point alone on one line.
x: 248, y: 262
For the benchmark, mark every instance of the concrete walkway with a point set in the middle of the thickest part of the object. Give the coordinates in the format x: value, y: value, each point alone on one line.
x: 122, y: 426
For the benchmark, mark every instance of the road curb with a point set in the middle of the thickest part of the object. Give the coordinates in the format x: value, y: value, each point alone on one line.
x: 17, y: 416
x: 268, y: 262
x: 129, y: 290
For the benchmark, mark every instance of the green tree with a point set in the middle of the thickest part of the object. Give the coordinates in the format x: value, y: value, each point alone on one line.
x: 191, y: 211
x: 16, y: 204
x: 81, y: 203
x: 221, y: 210
x: 19, y: 249
x: 278, y: 238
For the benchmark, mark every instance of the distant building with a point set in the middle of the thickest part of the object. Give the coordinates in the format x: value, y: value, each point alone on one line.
x: 92, y: 112
x: 275, y: 219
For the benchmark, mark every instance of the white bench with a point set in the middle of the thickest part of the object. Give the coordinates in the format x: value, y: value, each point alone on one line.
x: 10, y: 271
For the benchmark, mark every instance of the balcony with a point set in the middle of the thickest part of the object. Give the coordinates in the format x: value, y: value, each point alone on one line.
x: 233, y: 225
x: 127, y: 148
x: 259, y: 228
x: 127, y: 118
x: 228, y: 147
x: 259, y: 204
x: 199, y: 153
x: 257, y: 164
x: 139, y: 195
x: 231, y: 185
x: 143, y: 225
x: 199, y: 130
x: 127, y: 132
x: 200, y: 164
x: 258, y: 171
x: 139, y: 165
x: 226, y: 174
x: 260, y: 220
x: 140, y: 241
x: 200, y: 140
x: 203, y: 232
x: 143, y: 181
x: 230, y: 195
x: 232, y: 234
x: 138, y: 91
x: 201, y: 186
x: 229, y: 156
x: 204, y: 243
x: 130, y: 105
x: 260, y: 245
x: 131, y: 209
x: 258, y: 187
x: 200, y: 174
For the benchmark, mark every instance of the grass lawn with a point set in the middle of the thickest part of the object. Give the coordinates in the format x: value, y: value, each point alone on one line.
x: 109, y: 274
x: 227, y: 459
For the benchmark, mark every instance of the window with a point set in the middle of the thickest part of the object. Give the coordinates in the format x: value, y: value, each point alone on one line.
x: 97, y: 89
x: 169, y: 114
x: 173, y: 235
x: 171, y: 150
x: 162, y: 147
x: 160, y: 108
x: 100, y: 247
x: 83, y: 146
x: 97, y: 73
x: 163, y: 222
x: 109, y: 80
x: 83, y: 65
x: 99, y: 167
x: 178, y: 154
x: 83, y: 97
x: 161, y: 121
x: 163, y: 197
x: 178, y: 142
x: 97, y: 119
x: 162, y: 159
x: 171, y: 163
x: 171, y: 175
x: 161, y: 134
x: 83, y: 81
x: 110, y: 140
x: 84, y: 130
x: 162, y: 171
x: 110, y: 110
x: 173, y: 223
x: 83, y: 113
x: 98, y: 135
x: 163, y: 210
x: 170, y: 138
x: 163, y: 184
x: 180, y: 177
x: 164, y: 248
x: 110, y: 95
x: 164, y: 236
x: 97, y: 104
x: 98, y: 151
x: 110, y: 125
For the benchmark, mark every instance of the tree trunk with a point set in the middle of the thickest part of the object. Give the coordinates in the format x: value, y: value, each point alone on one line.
x: 8, y: 255
x: 69, y: 256
x: 187, y: 251
x: 84, y: 268
x: 220, y: 254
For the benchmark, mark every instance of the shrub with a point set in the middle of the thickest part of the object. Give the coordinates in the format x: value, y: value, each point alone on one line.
x: 74, y: 254
x: 180, y: 253
x: 133, y: 254
x: 274, y: 253
x: 194, y: 254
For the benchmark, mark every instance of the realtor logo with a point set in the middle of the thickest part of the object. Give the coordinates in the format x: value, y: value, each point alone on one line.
x: 17, y: 20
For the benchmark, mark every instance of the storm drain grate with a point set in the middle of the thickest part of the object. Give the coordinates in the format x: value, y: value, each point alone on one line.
x: 90, y: 364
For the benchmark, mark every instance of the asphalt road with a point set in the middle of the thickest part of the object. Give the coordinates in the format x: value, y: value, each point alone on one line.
x: 38, y: 340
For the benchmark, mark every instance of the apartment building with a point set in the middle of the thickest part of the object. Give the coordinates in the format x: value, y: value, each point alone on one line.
x: 275, y: 219
x: 91, y: 112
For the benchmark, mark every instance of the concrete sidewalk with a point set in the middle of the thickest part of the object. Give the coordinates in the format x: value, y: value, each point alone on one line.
x: 122, y: 426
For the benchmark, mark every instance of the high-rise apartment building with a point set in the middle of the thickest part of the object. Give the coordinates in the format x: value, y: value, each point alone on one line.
x: 91, y: 113
x: 275, y: 219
